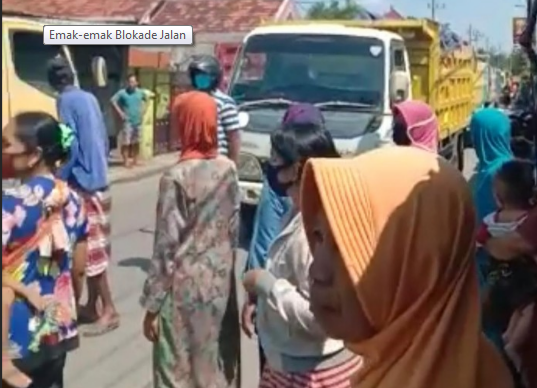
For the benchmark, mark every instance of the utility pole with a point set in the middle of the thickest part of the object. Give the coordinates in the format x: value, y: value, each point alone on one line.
x: 474, y: 36
x: 434, y: 5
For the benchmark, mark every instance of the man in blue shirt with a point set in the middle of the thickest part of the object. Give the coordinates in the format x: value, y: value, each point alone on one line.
x: 130, y: 104
x: 87, y: 173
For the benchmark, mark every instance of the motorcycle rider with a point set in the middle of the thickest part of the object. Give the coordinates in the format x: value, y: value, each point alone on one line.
x: 205, y: 74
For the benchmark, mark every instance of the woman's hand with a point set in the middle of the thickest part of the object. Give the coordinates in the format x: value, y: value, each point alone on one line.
x: 151, y: 327
x: 250, y: 280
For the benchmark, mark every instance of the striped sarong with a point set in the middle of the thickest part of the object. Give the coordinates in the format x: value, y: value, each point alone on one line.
x: 98, y: 206
x: 339, y: 376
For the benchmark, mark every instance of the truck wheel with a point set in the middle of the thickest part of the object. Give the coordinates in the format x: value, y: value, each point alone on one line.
x: 246, y: 225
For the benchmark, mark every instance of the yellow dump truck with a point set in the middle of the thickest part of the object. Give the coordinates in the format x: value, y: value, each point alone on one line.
x: 24, y: 74
x: 444, y: 79
x: 354, y: 71
x: 24, y: 77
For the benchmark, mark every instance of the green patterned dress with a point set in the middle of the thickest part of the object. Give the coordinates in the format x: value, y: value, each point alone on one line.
x: 191, y: 282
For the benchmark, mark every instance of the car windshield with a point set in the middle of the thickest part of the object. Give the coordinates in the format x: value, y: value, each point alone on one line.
x: 310, y: 68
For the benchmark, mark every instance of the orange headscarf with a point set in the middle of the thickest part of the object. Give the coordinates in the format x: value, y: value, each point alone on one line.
x: 404, y: 224
x: 194, y: 116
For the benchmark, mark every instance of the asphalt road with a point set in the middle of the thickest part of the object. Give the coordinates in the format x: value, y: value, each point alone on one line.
x: 122, y: 359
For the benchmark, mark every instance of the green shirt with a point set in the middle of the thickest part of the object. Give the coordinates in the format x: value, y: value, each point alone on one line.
x: 131, y: 102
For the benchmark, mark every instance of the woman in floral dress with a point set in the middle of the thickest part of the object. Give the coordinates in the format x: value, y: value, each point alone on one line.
x: 44, y: 229
x: 192, y: 316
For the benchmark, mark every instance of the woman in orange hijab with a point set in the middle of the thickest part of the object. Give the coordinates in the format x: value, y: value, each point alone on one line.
x: 392, y: 235
x: 189, y: 295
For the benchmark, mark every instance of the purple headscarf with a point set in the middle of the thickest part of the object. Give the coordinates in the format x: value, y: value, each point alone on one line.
x: 303, y: 114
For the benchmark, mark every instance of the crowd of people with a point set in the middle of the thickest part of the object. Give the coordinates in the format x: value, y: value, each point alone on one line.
x: 500, y: 195
x: 56, y: 225
x: 384, y: 270
x: 55, y: 234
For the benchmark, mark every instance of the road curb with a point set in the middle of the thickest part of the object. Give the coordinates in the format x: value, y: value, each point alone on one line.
x: 11, y: 183
x: 141, y: 175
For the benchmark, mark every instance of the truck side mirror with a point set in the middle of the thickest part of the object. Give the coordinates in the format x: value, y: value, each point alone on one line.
x: 99, y: 71
x: 399, y: 87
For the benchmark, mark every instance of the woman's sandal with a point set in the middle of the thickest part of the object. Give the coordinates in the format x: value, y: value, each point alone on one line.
x: 98, y: 328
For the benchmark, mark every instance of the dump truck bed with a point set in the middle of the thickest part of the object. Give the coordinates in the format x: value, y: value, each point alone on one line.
x: 445, y: 79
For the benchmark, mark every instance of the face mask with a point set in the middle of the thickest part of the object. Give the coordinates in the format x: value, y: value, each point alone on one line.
x: 280, y: 189
x: 203, y: 81
x: 400, y: 133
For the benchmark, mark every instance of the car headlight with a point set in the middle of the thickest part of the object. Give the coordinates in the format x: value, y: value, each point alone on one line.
x: 250, y: 168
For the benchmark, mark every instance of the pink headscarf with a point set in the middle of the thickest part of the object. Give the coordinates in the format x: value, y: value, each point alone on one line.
x: 422, y: 124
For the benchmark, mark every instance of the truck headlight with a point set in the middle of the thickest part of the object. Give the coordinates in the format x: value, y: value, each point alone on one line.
x: 250, y: 168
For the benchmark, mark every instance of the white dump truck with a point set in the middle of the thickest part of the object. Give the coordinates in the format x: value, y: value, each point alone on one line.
x: 354, y: 71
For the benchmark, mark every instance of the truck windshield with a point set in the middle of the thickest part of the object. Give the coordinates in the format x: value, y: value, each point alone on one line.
x: 310, y: 68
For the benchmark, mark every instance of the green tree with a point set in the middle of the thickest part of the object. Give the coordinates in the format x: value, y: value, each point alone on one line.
x: 499, y: 60
x: 335, y: 11
x: 518, y: 63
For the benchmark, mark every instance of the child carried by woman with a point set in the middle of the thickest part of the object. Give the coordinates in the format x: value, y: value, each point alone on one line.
x: 512, y: 284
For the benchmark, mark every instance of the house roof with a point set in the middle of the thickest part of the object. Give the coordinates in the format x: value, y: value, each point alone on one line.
x: 211, y: 16
x: 98, y: 10
x: 393, y: 14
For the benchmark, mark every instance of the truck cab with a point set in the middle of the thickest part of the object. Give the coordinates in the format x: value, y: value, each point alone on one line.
x: 25, y: 85
x: 24, y: 68
x: 352, y: 74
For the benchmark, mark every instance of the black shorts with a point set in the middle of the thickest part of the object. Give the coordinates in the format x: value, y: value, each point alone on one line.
x: 47, y: 375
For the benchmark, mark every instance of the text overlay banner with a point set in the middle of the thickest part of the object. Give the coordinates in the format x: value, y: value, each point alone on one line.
x: 118, y: 35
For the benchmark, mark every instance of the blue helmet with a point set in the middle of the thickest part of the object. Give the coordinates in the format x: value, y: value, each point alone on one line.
x: 205, y: 72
